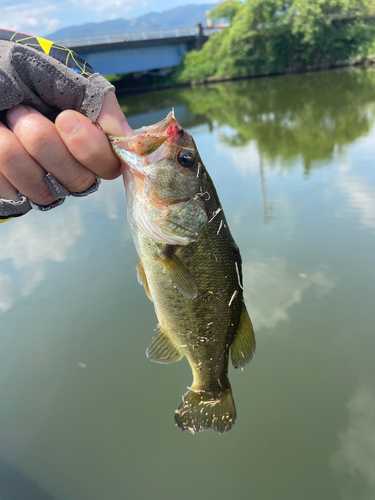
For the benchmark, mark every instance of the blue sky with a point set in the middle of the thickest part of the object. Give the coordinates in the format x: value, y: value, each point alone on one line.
x: 41, y: 17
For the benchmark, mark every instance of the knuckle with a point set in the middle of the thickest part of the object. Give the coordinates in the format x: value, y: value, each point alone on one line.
x: 81, y: 182
x: 91, y: 149
x: 43, y: 196
x: 90, y: 156
x: 35, y: 136
x: 106, y: 166
x: 10, y: 154
x: 111, y: 173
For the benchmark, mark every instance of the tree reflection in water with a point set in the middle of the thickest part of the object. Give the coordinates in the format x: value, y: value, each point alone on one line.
x: 306, y: 115
x: 309, y: 115
x: 291, y: 119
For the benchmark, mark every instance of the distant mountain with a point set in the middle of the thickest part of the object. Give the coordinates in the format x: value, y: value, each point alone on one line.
x: 187, y: 16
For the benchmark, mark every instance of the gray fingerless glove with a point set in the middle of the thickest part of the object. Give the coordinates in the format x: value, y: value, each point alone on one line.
x: 50, y: 78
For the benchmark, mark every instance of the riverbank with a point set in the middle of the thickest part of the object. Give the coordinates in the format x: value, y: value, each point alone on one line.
x: 267, y: 39
x: 148, y: 83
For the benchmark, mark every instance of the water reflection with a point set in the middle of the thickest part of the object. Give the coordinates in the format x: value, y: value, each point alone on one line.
x: 291, y: 117
x: 356, y: 451
x: 359, y: 192
x: 248, y: 161
x: 32, y: 241
x: 309, y: 283
x: 110, y: 199
x: 28, y: 243
x: 294, y: 116
x: 272, y: 287
x: 15, y: 486
x: 6, y: 295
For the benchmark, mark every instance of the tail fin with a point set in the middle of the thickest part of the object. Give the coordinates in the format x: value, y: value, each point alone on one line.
x: 202, y: 410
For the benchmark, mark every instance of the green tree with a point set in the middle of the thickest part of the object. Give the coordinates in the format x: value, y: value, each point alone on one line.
x: 226, y: 10
x: 275, y: 35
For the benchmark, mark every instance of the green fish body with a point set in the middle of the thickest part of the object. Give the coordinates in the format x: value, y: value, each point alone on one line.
x: 190, y: 268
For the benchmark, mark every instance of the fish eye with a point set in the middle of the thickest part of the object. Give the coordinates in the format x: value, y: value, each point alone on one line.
x: 186, y: 158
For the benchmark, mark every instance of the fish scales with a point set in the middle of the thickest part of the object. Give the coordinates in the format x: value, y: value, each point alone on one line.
x: 216, y: 281
x: 190, y: 267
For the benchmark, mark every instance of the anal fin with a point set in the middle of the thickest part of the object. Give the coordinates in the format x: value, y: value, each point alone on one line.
x: 142, y: 279
x: 162, y: 350
x: 179, y: 274
x: 243, y: 346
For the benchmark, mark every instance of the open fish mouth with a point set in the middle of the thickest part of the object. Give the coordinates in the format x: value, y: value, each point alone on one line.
x: 161, y: 177
x: 138, y: 151
x: 161, y: 128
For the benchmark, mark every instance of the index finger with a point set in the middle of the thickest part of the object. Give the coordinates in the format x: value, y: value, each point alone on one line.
x: 112, y: 119
x: 87, y: 143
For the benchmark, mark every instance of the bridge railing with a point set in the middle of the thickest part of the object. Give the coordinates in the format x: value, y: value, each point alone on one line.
x: 128, y: 37
x: 125, y: 37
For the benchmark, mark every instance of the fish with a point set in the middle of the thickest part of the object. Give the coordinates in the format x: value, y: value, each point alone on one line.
x: 189, y: 266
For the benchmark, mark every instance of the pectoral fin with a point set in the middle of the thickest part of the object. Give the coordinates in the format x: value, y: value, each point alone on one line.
x: 179, y: 274
x: 243, y: 346
x: 142, y: 279
x: 162, y: 350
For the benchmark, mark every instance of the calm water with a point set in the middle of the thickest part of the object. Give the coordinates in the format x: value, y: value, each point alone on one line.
x: 84, y: 415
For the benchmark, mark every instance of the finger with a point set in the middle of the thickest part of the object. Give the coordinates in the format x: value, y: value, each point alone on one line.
x: 112, y: 119
x: 22, y: 171
x: 7, y: 190
x: 87, y: 143
x: 39, y: 137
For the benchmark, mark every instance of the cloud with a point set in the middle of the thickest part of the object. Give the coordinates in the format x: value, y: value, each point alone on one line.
x: 246, y: 159
x: 6, y: 298
x: 33, y: 240
x: 29, y: 242
x: 38, y: 17
x: 99, y: 5
x: 355, y: 455
x: 42, y: 17
x: 271, y: 288
x: 360, y: 195
x: 110, y: 197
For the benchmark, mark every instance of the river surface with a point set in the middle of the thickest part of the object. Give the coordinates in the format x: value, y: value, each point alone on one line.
x: 85, y: 416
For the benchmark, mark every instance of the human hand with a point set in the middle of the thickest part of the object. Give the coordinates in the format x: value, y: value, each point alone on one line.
x: 73, y: 150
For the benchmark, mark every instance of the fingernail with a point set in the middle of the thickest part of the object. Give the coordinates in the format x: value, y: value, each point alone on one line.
x: 68, y: 123
x: 15, y: 114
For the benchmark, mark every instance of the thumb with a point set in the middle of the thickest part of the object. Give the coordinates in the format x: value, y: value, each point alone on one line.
x: 111, y: 119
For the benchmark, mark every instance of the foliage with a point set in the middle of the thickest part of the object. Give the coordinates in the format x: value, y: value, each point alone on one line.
x: 226, y: 10
x: 275, y: 35
x: 116, y: 77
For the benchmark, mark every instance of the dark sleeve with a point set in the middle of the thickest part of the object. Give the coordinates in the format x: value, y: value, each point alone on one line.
x: 50, y: 78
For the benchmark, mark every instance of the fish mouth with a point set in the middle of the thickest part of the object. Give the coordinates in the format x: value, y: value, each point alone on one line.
x: 144, y: 147
x: 148, y: 145
x: 137, y: 151
x: 165, y: 127
x: 141, y: 156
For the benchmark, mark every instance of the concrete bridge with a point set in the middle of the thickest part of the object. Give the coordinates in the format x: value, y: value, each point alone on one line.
x: 157, y: 51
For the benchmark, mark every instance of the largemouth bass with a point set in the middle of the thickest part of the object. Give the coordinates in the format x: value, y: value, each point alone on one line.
x: 190, y: 268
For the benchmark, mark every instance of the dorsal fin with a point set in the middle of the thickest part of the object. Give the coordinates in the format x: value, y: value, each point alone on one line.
x: 161, y: 349
x: 179, y: 274
x: 243, y: 347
